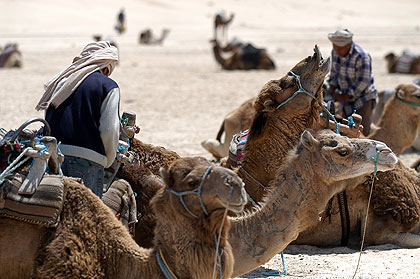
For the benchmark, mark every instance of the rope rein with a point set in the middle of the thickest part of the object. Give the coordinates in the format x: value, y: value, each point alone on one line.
x: 375, y: 160
x: 164, y: 266
x: 303, y: 90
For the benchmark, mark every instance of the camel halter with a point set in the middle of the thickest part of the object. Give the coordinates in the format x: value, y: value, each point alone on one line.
x: 196, y: 191
x: 303, y: 90
x: 407, y: 102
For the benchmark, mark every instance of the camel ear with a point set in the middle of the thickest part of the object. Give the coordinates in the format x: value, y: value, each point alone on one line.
x: 308, y: 141
x: 400, y: 92
x: 166, y: 176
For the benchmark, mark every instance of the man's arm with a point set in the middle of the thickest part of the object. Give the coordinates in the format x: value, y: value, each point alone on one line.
x: 109, y: 124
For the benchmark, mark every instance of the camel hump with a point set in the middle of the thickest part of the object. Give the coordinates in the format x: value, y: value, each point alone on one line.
x: 250, y: 54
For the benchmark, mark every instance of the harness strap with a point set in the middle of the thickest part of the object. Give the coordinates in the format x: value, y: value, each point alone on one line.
x: 196, y: 191
x: 164, y: 266
x: 407, y: 102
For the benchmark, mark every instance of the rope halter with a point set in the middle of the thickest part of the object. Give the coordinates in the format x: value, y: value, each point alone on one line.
x: 196, y: 191
x: 303, y: 90
x: 407, y: 102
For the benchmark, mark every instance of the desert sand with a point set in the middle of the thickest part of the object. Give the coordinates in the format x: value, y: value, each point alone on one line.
x: 180, y: 94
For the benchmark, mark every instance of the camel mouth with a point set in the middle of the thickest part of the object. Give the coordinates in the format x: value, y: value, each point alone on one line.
x: 236, y: 208
x: 387, y: 158
x: 322, y: 64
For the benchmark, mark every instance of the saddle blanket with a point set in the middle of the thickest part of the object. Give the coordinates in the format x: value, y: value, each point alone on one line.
x: 43, y: 207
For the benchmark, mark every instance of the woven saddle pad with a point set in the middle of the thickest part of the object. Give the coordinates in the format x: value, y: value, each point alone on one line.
x: 43, y: 207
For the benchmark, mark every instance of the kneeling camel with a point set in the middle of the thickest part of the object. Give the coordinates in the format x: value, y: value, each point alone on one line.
x: 89, y: 242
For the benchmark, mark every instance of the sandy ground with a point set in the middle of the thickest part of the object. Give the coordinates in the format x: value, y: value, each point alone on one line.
x: 181, y: 95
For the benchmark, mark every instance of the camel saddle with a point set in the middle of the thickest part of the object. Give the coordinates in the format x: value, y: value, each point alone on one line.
x: 236, y: 149
x: 251, y: 55
x: 43, y: 207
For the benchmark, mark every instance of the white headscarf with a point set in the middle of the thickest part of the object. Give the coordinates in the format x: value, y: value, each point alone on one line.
x: 95, y: 56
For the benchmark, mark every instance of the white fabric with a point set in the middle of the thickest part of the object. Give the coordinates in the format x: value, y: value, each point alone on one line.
x: 109, y: 125
x: 341, y: 37
x: 95, y: 56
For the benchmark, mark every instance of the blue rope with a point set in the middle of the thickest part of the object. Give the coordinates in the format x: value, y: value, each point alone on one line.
x: 351, y: 120
x: 163, y: 267
x: 302, y: 90
x: 196, y: 191
x: 277, y: 273
x: 375, y: 160
x: 250, y: 199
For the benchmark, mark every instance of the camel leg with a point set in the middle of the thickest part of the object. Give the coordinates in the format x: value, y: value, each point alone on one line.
x: 404, y: 239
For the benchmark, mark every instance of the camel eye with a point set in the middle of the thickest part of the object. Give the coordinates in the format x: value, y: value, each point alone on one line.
x: 343, y: 152
x: 191, y: 183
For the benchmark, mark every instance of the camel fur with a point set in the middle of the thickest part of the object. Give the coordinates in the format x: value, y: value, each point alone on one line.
x: 238, y: 61
x: 89, y: 242
x: 235, y: 121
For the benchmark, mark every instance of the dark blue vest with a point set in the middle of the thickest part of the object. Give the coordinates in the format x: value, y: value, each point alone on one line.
x: 76, y: 120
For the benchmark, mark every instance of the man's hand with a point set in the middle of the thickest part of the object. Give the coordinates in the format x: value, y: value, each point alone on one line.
x: 341, y: 97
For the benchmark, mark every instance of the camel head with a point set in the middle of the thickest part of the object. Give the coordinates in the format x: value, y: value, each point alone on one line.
x: 337, y: 157
x: 284, y: 98
x: 311, y: 72
x: 409, y: 94
x: 199, y: 188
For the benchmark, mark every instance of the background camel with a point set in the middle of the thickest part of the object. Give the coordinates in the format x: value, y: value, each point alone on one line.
x: 247, y: 57
x: 147, y: 38
x: 221, y: 22
x: 89, y: 242
x: 10, y: 56
x: 408, y: 63
x: 235, y: 121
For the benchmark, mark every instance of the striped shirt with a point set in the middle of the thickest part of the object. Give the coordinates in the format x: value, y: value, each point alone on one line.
x: 352, y: 75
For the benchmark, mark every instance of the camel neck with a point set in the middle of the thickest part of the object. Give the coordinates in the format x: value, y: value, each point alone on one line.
x: 265, y: 153
x: 256, y: 238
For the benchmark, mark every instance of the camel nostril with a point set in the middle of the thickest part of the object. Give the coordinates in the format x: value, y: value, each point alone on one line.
x: 385, y: 151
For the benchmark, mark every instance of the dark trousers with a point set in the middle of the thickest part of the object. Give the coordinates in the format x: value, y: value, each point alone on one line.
x: 366, y: 113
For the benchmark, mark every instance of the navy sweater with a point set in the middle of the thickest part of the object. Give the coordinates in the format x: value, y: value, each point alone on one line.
x: 76, y: 121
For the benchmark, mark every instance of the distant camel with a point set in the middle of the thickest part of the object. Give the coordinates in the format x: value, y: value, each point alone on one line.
x: 10, y: 56
x: 407, y: 63
x: 247, y: 57
x: 221, y: 21
x: 147, y: 37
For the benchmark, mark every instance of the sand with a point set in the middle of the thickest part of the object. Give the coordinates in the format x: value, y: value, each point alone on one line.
x: 181, y: 95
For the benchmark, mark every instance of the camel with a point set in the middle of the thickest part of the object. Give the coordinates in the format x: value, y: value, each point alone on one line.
x: 395, y: 216
x: 89, y: 242
x: 147, y: 38
x: 285, y: 129
x: 237, y: 120
x: 408, y: 63
x: 247, y: 57
x: 398, y: 124
x: 221, y: 21
x: 10, y: 57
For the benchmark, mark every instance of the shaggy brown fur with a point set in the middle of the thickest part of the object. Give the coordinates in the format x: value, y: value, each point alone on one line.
x: 397, y: 193
x: 152, y: 158
x: 235, y: 61
x: 89, y: 242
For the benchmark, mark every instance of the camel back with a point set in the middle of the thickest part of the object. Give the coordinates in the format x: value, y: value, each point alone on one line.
x: 251, y: 55
x: 43, y: 207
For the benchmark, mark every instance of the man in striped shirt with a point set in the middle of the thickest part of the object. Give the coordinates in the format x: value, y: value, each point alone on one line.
x: 351, y: 79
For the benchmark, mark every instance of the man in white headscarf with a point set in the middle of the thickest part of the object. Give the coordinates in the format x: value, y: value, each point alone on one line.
x: 82, y: 108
